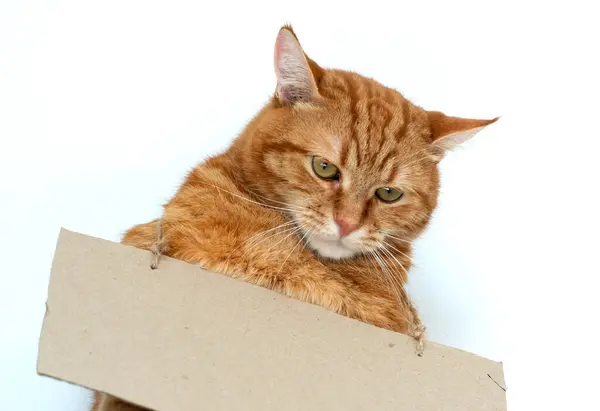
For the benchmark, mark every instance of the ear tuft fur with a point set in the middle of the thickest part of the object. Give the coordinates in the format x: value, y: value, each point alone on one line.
x: 449, y: 132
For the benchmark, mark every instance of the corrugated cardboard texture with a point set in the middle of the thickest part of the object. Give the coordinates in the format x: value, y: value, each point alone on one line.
x: 180, y: 338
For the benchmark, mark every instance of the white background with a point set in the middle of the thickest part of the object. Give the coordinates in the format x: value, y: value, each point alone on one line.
x: 104, y: 106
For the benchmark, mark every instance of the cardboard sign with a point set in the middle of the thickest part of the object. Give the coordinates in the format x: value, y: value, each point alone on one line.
x: 180, y: 338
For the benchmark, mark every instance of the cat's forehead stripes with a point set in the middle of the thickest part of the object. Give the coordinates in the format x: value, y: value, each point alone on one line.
x: 376, y: 120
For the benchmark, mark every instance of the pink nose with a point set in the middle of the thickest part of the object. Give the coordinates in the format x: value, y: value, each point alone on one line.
x: 346, y: 226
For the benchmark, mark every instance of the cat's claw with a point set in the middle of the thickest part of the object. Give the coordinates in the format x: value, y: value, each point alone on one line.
x: 418, y: 334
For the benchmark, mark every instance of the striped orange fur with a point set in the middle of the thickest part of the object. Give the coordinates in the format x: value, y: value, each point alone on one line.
x: 258, y: 212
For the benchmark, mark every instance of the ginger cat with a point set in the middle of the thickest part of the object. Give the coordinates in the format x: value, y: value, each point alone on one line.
x: 319, y: 197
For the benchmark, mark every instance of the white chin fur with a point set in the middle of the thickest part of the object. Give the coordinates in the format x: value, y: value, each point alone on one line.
x: 331, y: 248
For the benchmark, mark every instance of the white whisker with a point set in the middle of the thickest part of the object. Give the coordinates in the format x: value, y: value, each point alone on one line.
x: 257, y: 240
x: 275, y: 201
x: 293, y: 231
x: 393, y: 283
x: 398, y: 238
x: 398, y: 287
x: 372, y: 259
x: 260, y: 233
x: 386, y: 244
x: 395, y: 259
x: 418, y: 328
x: 269, y: 237
x: 254, y: 202
x: 298, y: 243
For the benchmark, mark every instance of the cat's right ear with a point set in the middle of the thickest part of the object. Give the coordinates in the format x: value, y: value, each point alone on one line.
x: 294, y: 70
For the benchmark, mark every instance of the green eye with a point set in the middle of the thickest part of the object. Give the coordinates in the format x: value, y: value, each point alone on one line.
x: 388, y: 195
x: 324, y: 169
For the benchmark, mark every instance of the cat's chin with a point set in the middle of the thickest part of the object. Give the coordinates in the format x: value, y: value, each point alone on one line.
x: 333, y: 249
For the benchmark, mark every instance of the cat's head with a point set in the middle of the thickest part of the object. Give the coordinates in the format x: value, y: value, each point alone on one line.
x: 351, y: 161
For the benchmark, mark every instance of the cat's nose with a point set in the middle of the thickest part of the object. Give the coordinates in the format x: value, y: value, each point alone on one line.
x: 346, y: 225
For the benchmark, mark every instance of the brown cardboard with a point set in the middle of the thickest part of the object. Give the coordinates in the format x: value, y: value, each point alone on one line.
x: 180, y: 338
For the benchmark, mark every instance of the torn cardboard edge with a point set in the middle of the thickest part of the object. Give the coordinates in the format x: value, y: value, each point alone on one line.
x: 177, y: 336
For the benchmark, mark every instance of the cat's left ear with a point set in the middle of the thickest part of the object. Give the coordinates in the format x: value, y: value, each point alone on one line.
x: 448, y: 132
x: 297, y: 75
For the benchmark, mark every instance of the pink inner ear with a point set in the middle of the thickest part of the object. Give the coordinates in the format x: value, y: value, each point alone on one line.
x: 280, y: 48
x: 294, y: 78
x: 449, y: 141
x: 442, y: 125
x: 287, y: 54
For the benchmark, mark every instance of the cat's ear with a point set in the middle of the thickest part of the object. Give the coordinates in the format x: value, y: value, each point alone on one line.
x: 448, y: 132
x: 297, y: 75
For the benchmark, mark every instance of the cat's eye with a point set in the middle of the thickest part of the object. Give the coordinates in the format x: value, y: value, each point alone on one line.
x: 324, y: 169
x: 388, y: 194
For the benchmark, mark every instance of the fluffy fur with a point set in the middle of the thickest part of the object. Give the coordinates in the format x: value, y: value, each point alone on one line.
x: 258, y: 212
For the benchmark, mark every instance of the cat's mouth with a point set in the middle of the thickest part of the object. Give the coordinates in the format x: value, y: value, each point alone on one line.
x: 325, y: 239
x: 335, y: 248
